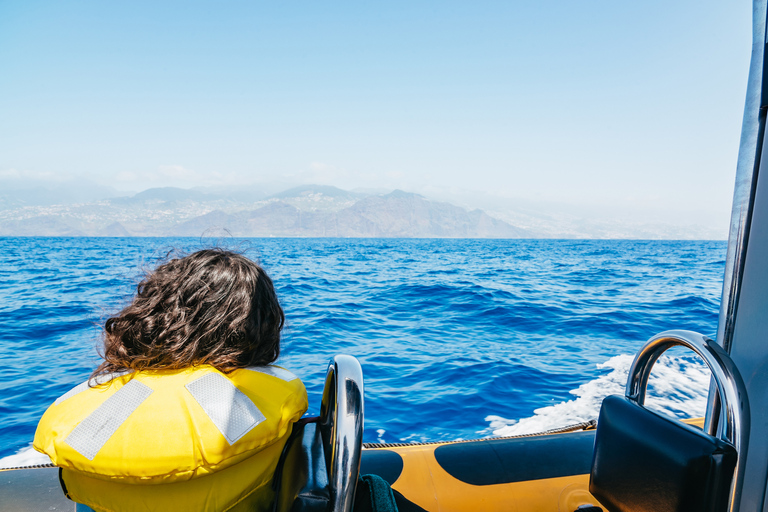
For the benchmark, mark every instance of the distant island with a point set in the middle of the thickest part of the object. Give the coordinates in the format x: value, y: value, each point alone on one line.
x: 306, y: 211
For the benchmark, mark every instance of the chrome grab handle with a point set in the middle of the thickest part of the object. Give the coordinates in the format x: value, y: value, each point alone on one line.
x: 733, y: 424
x: 341, y: 413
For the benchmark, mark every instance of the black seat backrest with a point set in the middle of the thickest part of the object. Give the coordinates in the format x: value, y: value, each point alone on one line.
x: 644, y: 461
x: 301, y: 481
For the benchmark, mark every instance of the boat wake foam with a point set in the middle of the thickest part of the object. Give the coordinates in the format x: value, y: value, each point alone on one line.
x: 27, y: 456
x: 678, y: 387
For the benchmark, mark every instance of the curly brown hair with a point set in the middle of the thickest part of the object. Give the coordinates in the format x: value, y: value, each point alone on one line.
x: 212, y: 307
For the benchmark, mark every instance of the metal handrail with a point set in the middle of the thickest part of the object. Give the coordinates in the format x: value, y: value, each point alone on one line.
x: 341, y: 413
x: 733, y: 424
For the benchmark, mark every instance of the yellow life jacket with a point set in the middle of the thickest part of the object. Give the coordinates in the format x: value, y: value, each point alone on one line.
x: 212, y: 439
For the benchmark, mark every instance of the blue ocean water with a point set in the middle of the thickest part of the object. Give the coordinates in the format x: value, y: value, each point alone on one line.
x: 457, y: 338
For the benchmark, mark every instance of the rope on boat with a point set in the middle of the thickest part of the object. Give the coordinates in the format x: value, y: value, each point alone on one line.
x: 31, y: 466
x: 586, y: 425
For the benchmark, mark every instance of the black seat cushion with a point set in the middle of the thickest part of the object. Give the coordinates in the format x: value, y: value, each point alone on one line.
x: 301, y: 481
x: 646, y: 462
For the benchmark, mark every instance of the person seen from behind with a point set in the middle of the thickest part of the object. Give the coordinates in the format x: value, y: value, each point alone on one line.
x: 187, y: 411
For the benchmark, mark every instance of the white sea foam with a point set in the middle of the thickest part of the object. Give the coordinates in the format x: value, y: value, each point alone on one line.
x: 678, y: 387
x: 27, y: 456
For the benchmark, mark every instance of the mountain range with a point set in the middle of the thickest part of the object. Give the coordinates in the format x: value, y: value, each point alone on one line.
x: 305, y: 211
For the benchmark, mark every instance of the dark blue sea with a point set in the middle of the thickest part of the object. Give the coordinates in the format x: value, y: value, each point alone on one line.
x: 458, y: 339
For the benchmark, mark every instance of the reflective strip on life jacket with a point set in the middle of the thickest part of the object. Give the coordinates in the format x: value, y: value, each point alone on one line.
x: 89, y: 436
x: 227, y: 407
x: 275, y: 371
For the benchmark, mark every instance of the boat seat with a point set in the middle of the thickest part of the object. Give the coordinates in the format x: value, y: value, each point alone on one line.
x: 301, y: 480
x: 646, y: 462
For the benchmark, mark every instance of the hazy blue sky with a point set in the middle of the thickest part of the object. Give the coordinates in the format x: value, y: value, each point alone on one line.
x: 614, y: 104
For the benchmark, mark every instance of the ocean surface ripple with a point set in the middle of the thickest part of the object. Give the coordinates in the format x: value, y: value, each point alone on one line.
x: 458, y: 339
